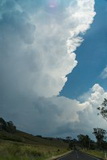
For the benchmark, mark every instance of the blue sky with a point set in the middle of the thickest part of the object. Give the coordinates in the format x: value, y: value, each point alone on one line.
x: 53, y: 65
x: 91, y: 56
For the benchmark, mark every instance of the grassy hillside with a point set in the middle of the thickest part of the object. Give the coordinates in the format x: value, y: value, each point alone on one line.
x: 23, y: 146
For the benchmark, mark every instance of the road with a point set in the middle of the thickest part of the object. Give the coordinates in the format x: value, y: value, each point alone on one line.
x: 77, y: 155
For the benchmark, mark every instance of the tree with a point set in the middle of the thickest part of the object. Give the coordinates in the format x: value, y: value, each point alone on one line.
x: 100, y: 135
x: 3, y: 124
x: 68, y: 138
x: 11, y: 127
x: 73, y: 144
x: 7, y: 126
x: 103, y: 109
x: 84, y: 141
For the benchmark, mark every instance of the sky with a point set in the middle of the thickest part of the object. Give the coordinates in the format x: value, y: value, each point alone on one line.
x: 53, y: 65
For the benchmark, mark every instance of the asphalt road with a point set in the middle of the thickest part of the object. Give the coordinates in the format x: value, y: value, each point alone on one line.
x: 77, y: 155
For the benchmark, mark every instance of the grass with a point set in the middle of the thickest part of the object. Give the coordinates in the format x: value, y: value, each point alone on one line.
x: 96, y: 153
x: 18, y: 151
x: 23, y: 146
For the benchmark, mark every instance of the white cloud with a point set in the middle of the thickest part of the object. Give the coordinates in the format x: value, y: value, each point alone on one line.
x: 104, y: 73
x: 35, y: 41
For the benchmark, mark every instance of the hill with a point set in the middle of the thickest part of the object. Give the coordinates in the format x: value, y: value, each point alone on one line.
x: 17, y: 145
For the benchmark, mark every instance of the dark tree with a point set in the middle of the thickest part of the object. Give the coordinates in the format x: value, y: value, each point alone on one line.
x: 100, y: 135
x: 7, y: 126
x: 11, y: 127
x: 73, y: 144
x: 84, y: 141
x: 103, y: 109
x: 68, y: 138
x: 3, y: 124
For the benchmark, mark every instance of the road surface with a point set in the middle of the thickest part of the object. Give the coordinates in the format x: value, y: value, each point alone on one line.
x: 77, y: 155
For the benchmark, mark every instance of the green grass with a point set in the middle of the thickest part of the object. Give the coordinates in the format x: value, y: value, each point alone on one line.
x: 23, y: 146
x: 96, y: 153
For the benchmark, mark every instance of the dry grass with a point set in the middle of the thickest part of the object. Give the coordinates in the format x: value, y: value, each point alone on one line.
x: 23, y: 146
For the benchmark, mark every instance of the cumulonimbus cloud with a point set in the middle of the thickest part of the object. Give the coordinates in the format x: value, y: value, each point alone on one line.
x: 41, y: 43
x: 37, y: 45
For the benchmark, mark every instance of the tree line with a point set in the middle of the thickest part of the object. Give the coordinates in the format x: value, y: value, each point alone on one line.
x: 85, y: 142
